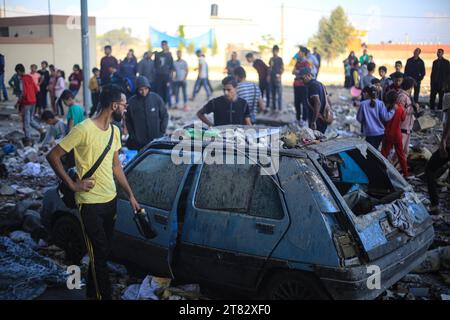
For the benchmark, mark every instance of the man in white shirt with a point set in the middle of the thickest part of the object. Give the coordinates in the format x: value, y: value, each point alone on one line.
x: 179, y: 81
x: 202, y: 79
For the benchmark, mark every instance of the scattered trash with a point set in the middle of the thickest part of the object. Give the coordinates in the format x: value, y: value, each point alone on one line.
x: 117, y: 268
x: 24, y: 273
x: 26, y: 191
x: 31, y: 169
x: 8, y: 148
x: 144, y: 291
x: 420, y: 292
x: 435, y: 260
x: 445, y: 297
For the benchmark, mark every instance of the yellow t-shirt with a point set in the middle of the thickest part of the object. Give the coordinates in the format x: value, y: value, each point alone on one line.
x: 89, y: 142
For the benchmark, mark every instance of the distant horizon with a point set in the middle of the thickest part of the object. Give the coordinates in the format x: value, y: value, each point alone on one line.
x: 412, y: 21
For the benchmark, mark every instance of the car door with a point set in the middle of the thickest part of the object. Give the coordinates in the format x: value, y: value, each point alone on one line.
x: 235, y: 218
x: 157, y: 183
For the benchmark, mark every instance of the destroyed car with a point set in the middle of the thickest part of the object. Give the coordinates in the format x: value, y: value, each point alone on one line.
x: 337, y: 221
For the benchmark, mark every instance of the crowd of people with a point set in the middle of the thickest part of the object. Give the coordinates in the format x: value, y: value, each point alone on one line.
x: 132, y: 98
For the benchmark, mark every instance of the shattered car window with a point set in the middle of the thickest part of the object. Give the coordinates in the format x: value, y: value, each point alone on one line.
x: 320, y: 191
x: 155, y: 181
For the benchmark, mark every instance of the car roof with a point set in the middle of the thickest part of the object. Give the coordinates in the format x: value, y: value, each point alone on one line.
x: 325, y: 148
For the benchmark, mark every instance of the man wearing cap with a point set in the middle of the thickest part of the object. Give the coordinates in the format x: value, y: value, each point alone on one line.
x: 146, y: 116
x: 439, y: 159
x: 316, y: 98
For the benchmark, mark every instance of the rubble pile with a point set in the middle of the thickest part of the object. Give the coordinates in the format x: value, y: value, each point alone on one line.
x: 25, y: 176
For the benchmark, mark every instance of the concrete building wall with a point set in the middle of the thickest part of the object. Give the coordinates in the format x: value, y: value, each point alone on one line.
x: 26, y: 54
x: 63, y: 48
x: 67, y: 50
x: 32, y: 30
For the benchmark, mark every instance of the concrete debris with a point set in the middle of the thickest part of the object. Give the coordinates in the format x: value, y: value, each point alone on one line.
x: 6, y: 190
x: 425, y: 122
x: 435, y: 260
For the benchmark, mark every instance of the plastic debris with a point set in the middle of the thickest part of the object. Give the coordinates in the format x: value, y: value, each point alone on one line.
x: 25, y: 274
x: 31, y: 169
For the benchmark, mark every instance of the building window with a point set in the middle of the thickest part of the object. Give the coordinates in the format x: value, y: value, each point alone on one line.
x: 4, y: 32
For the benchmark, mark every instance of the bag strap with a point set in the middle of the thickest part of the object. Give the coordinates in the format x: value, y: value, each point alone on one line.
x: 102, y: 156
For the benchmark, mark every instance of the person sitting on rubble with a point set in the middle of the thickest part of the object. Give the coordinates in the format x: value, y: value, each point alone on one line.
x: 56, y: 128
x: 440, y: 158
x: 372, y: 114
x: 393, y: 133
x: 228, y: 109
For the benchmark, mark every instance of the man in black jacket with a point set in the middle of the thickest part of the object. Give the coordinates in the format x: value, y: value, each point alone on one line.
x: 439, y: 77
x: 146, y: 116
x: 163, y: 71
x: 415, y: 68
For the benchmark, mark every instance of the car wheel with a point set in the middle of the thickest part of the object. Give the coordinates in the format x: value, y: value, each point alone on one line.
x: 295, y: 286
x: 67, y: 235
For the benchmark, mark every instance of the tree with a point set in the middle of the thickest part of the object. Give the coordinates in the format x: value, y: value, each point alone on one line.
x: 215, y: 46
x: 120, y: 37
x: 333, y: 35
x: 191, y: 48
x: 267, y: 43
x: 181, y: 35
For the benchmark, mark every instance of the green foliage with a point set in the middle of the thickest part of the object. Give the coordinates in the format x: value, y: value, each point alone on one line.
x: 268, y: 41
x: 215, y: 46
x: 333, y: 35
x: 191, y: 48
x: 121, y: 37
x: 182, y: 35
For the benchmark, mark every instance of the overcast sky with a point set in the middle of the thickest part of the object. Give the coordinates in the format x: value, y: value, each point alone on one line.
x: 413, y: 20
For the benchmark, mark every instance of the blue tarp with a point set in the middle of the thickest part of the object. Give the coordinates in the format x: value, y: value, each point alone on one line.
x: 351, y: 172
x: 203, y: 41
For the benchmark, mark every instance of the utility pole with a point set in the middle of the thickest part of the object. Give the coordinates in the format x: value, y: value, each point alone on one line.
x: 282, y: 29
x: 85, y: 54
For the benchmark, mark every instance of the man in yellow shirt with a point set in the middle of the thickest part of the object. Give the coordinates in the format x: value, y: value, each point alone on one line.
x: 96, y: 196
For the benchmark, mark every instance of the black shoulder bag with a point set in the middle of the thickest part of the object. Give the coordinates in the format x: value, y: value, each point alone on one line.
x: 65, y: 193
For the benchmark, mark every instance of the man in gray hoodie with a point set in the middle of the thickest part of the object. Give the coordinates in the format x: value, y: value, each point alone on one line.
x: 146, y: 116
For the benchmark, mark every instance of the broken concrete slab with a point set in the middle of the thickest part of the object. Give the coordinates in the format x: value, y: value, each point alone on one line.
x: 425, y: 122
x: 6, y: 190
x: 26, y: 191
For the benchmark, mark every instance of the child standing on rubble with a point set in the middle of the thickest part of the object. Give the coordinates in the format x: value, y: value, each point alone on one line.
x: 372, y: 114
x: 405, y: 99
x: 393, y: 133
